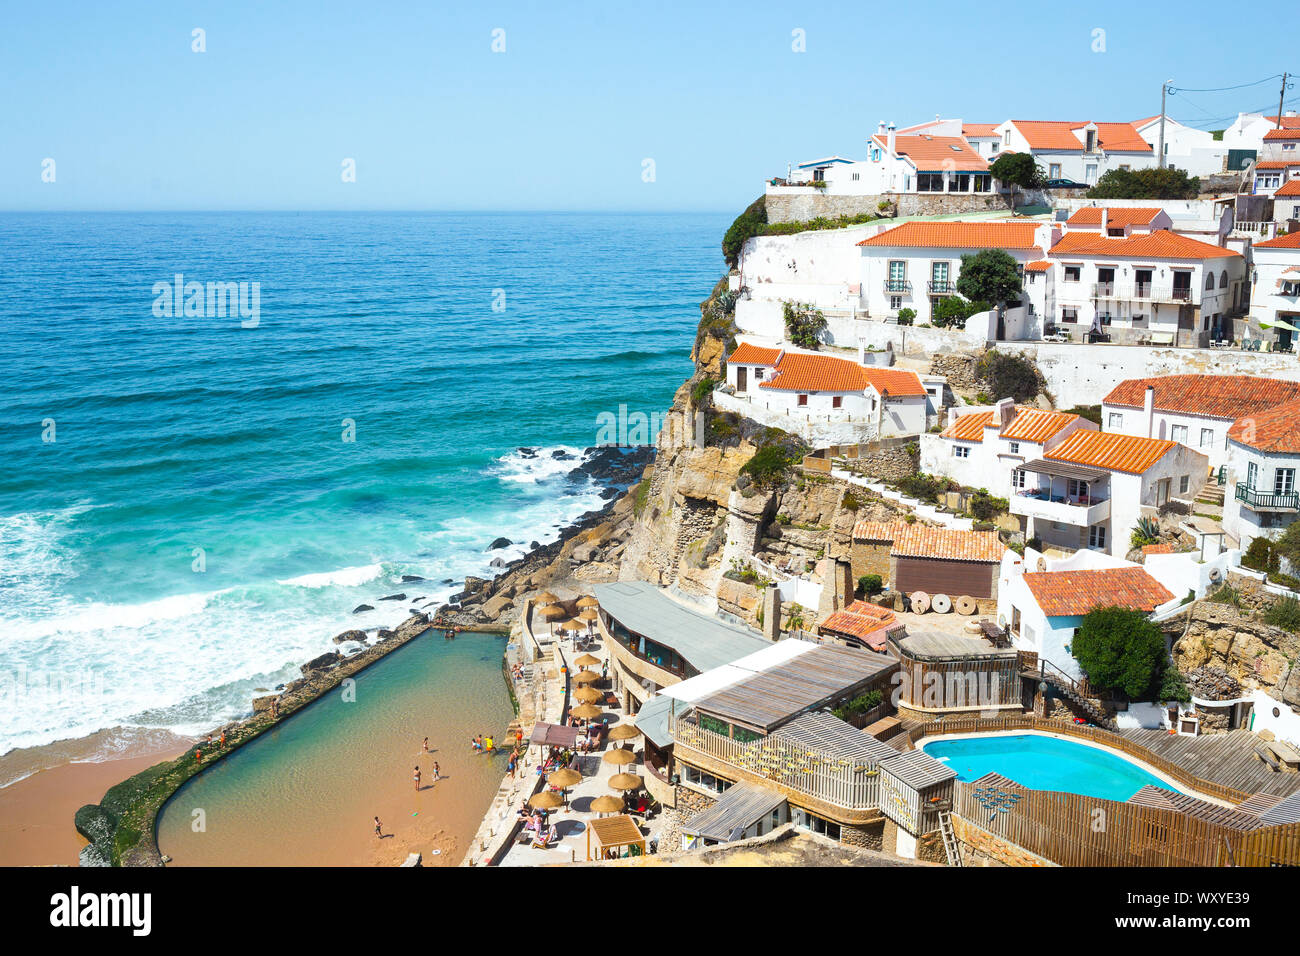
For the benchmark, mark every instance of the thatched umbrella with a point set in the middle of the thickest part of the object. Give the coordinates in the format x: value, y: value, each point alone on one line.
x: 546, y: 800
x: 624, y: 732
x: 574, y: 626
x: 586, y: 677
x: 625, y: 781
x: 546, y: 597
x: 588, y: 614
x: 588, y: 695
x: 552, y: 614
x: 564, y: 778
x: 618, y: 756
x: 587, y: 660
x: 588, y: 601
x: 585, y: 711
x: 607, y: 804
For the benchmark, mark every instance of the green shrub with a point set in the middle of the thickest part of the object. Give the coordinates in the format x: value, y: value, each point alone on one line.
x: 924, y: 487
x: 985, y: 507
x: 906, y: 316
x: 1173, y: 687
x: 748, y: 224
x: 869, y: 584
x: 701, y: 390
x: 1009, y: 376
x: 1261, y: 556
x: 640, y: 496
x: 1147, y: 531
x: 859, y: 705
x: 773, y: 460
x: 804, y: 324
x: 850, y: 501
x: 1167, y: 183
x: 1226, y: 594
x: 1284, y: 613
x: 1091, y: 413
x: 1119, y: 649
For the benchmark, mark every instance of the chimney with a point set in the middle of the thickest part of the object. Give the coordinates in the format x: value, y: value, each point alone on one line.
x: 1006, y: 410
x: 880, y: 130
x: 862, y: 351
x: 1105, y: 218
x: 1149, y: 409
x: 891, y: 140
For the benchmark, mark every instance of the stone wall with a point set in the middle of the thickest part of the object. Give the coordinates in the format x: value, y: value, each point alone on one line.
x: 981, y: 848
x: 871, y: 836
x: 801, y: 207
x: 691, y: 802
x: 959, y: 369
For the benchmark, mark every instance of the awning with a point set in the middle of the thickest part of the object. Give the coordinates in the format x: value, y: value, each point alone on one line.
x: 1278, y: 324
x: 1063, y: 469
x: 554, y: 735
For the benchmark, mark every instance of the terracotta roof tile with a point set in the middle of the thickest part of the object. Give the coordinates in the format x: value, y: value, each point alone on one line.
x: 968, y: 427
x: 958, y: 235
x: 1060, y: 136
x: 1280, y: 134
x: 1289, y: 188
x: 1276, y: 164
x: 1157, y: 549
x: 1161, y: 244
x: 918, y: 541
x: 1028, y: 424
x: 801, y: 372
x: 865, y: 530
x: 1275, y: 430
x: 1116, y: 217
x: 979, y: 129
x: 1214, y: 396
x: 1289, y: 241
x: 894, y: 382
x: 936, y: 154
x: 868, y: 622
x: 747, y: 354
x: 1038, y: 265
x: 1071, y: 593
x: 1127, y: 453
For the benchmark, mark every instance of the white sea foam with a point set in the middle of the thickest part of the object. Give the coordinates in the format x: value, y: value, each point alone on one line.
x: 345, y: 577
x: 530, y: 470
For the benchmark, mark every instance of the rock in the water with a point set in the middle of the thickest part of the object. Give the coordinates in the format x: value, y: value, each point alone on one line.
x: 321, y: 663
x: 350, y: 636
x: 500, y: 543
x: 362, y: 607
x: 407, y: 578
x: 534, y: 545
x: 384, y: 634
x: 393, y: 597
x: 527, y: 452
x: 497, y: 563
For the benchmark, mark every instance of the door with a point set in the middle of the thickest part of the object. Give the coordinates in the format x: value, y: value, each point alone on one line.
x: 1183, y: 286
x: 1090, y: 174
x: 1105, y: 281
x: 742, y: 379
x: 1162, y: 491
x: 1142, y: 279
x: 939, y: 275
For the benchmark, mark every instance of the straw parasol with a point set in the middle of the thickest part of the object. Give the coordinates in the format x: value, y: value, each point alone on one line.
x: 587, y: 660
x: 588, y: 614
x: 585, y: 711
x: 623, y: 732
x: 546, y: 597
x: 552, y: 614
x: 618, y: 756
x: 607, y: 804
x: 575, y: 625
x: 586, y: 677
x: 546, y: 800
x: 588, y: 694
x: 564, y: 778
x: 588, y: 601
x: 625, y: 781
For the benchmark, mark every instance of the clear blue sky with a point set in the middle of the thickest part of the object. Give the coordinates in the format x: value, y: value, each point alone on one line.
x: 564, y: 118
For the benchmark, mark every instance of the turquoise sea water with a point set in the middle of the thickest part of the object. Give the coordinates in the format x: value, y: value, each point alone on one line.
x: 1044, y: 763
x: 199, y: 527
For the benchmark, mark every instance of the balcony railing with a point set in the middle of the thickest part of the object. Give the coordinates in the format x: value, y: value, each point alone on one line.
x: 898, y: 285
x: 1267, y: 500
x: 1081, y: 511
x: 1141, y: 291
x: 942, y: 287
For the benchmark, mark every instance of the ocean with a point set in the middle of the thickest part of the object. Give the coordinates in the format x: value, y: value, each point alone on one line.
x: 197, y: 490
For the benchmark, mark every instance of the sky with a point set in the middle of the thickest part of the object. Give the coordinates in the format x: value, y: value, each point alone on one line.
x: 518, y: 105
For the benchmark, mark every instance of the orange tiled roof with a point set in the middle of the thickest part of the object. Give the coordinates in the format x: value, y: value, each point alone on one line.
x: 1214, y: 396
x: 1116, y: 217
x: 800, y: 372
x: 747, y: 354
x: 1060, y: 136
x: 935, y: 154
x: 1028, y: 424
x: 979, y: 129
x: 1284, y: 133
x: 894, y: 382
x: 958, y: 235
x: 867, y: 622
x: 1038, y: 265
x: 865, y: 530
x: 1276, y: 430
x: 1289, y: 188
x: 1157, y: 549
x: 1071, y: 593
x: 917, y: 541
x: 1127, y: 453
x: 1276, y: 164
x: 1288, y: 122
x: 1161, y: 244
x: 1289, y: 241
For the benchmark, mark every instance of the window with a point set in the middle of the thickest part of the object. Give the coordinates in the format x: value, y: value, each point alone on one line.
x: 1075, y: 488
x: 959, y: 183
x: 995, y: 146
x: 1115, y: 420
x: 1178, y: 433
x: 895, y: 303
x: 1184, y: 484
x: 807, y: 821
x: 1015, y: 448
x: 1097, y: 536
x: 1252, y: 473
x: 855, y: 177
x: 1223, y: 279
x: 837, y: 401
x: 1019, y: 479
x: 929, y: 182
x: 1207, y: 437
x: 1054, y: 171
x: 960, y: 451
x: 1070, y: 316
x: 1105, y: 318
x: 1209, y: 281
x: 982, y: 182
x: 803, y: 400
x: 708, y: 781
x: 1073, y: 273
x: 1283, y: 481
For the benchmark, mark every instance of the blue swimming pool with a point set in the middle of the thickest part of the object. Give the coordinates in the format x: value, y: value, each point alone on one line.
x: 1044, y: 763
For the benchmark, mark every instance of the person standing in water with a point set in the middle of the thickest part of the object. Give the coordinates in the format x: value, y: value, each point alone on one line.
x: 437, y: 774
x: 379, y: 828
x: 417, y: 778
x: 426, y: 744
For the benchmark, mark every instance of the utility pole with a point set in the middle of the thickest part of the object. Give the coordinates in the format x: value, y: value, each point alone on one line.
x: 1164, y: 89
x: 1281, y: 98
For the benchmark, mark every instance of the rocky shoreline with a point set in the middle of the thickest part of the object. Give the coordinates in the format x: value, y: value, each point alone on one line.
x: 121, y: 827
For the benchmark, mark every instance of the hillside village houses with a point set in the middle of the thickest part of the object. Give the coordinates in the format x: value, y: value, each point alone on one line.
x: 1194, y: 151
x: 1275, y: 297
x: 1246, y: 133
x: 1080, y: 152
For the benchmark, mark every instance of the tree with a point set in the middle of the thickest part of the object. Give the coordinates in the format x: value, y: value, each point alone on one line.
x: 989, y: 276
x: 1120, y: 649
x: 748, y: 224
x: 804, y: 325
x: 1146, y: 184
x: 954, y: 310
x: 1288, y: 545
x: 1018, y: 169
x: 1009, y: 376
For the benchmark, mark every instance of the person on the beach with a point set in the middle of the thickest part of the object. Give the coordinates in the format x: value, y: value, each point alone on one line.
x: 604, y: 668
x: 519, y: 735
x: 437, y: 774
x: 275, y: 709
x: 198, y: 754
x: 417, y: 778
x: 208, y: 742
x: 510, y: 765
x: 476, y: 743
x: 426, y: 744
x: 489, y: 745
x: 379, y: 828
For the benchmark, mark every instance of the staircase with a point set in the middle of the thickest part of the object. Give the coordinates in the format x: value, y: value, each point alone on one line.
x: 949, y: 838
x: 1211, y: 495
x: 1068, y: 688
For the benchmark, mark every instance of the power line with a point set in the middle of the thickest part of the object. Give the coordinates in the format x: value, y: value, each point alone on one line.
x: 1225, y: 89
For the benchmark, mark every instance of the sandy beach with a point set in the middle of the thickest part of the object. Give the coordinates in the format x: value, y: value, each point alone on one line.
x: 36, y: 810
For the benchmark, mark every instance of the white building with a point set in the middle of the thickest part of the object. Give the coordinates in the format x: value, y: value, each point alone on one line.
x: 1262, y: 498
x: 1042, y: 609
x: 1193, y: 410
x: 1155, y: 288
x: 823, y: 399
x: 916, y: 264
x: 1286, y: 202
x: 1080, y: 152
x: 1194, y: 151
x: 1275, y: 292
x: 1248, y: 130
x: 1119, y: 220
x: 1272, y: 174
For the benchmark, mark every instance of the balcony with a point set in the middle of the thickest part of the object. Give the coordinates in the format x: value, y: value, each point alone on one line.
x: 896, y: 286
x: 1077, y: 511
x: 1267, y: 500
x: 1141, y: 292
x: 942, y: 287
